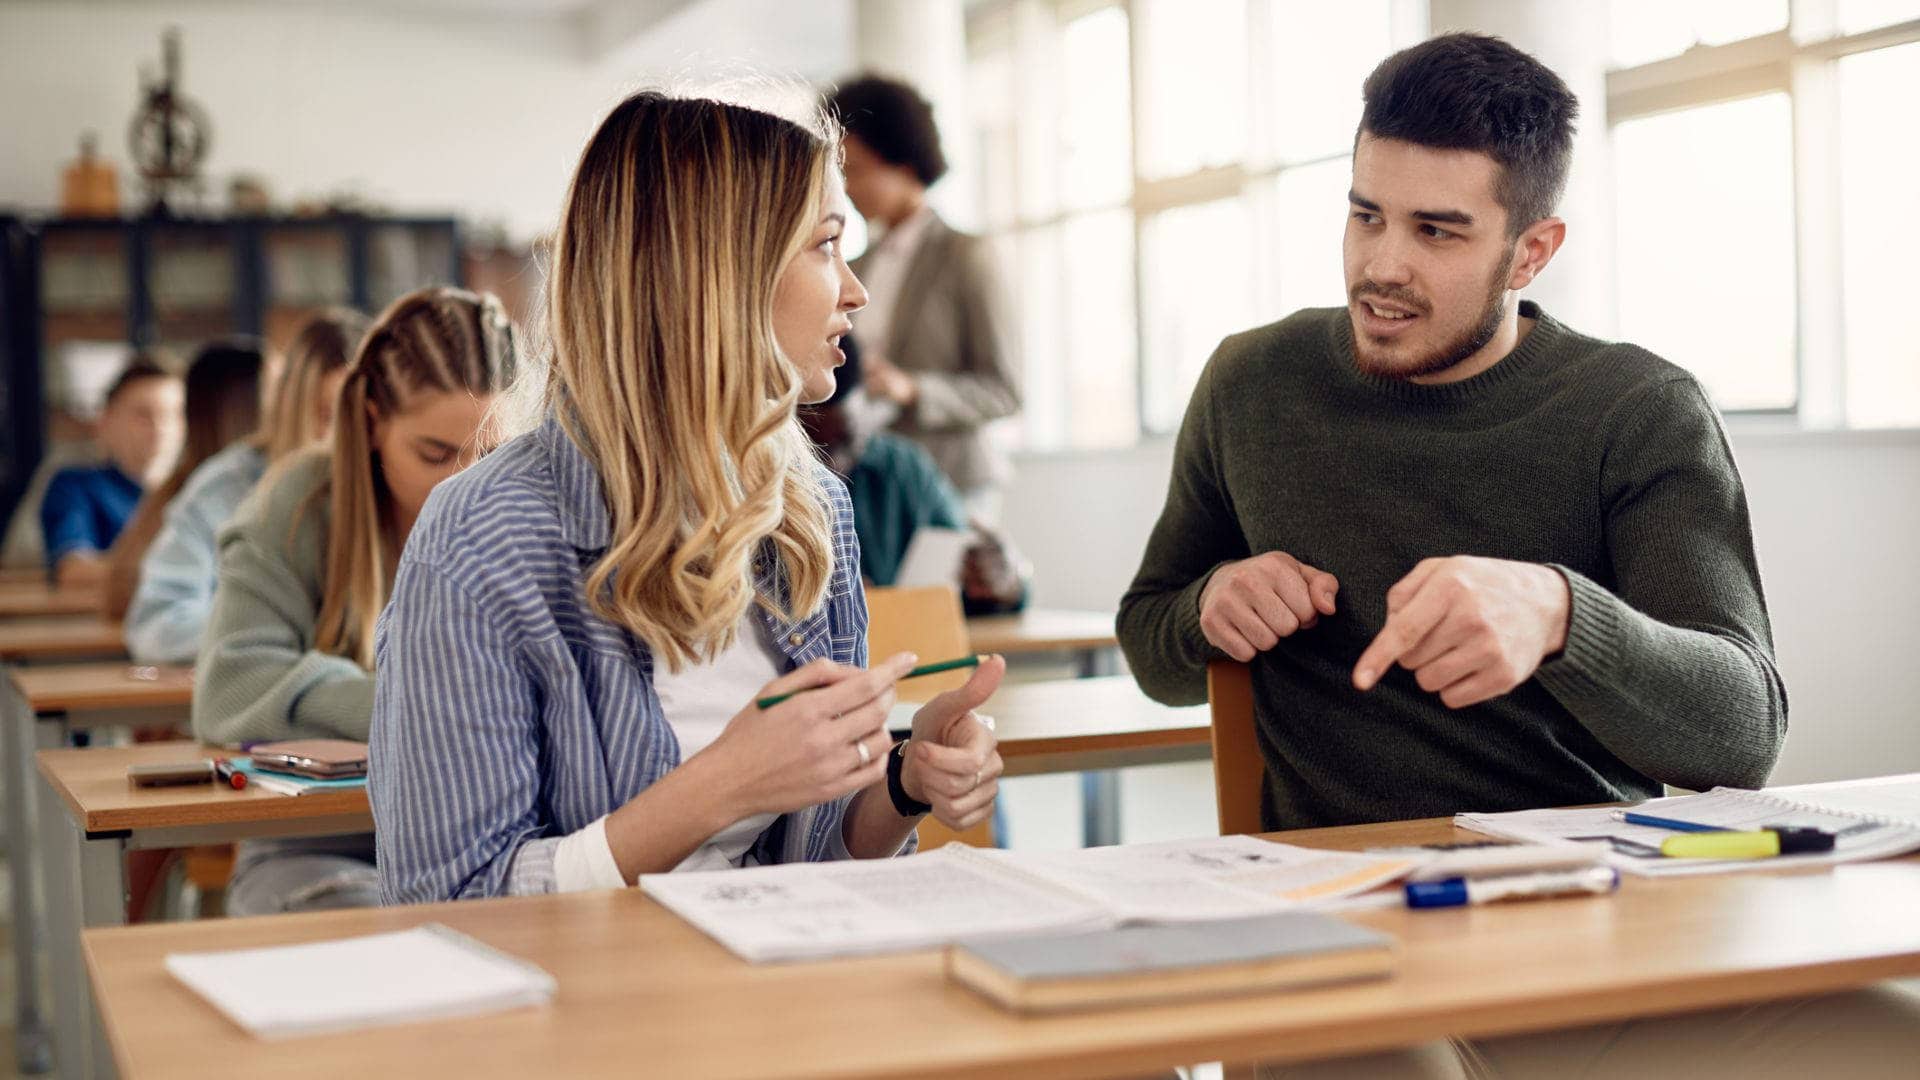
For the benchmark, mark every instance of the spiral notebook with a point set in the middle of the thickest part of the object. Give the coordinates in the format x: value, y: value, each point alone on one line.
x: 1870, y: 819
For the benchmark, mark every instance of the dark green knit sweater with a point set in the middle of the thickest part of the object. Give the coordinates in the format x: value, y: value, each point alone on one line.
x: 1598, y: 458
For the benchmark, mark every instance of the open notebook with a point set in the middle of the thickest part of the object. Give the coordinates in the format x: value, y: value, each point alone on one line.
x: 431, y: 972
x: 1871, y: 819
x: 811, y: 910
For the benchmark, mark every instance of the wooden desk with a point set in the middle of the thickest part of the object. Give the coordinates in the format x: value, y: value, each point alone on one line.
x: 61, y: 637
x: 41, y: 706
x: 1071, y: 725
x: 641, y: 989
x: 91, y: 817
x: 1088, y: 635
x: 40, y: 598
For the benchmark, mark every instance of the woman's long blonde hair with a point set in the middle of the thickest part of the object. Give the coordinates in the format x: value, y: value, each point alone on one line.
x: 680, y: 218
x: 323, y: 346
x: 437, y: 340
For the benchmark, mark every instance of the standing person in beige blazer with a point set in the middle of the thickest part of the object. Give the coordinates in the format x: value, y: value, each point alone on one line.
x: 936, y: 338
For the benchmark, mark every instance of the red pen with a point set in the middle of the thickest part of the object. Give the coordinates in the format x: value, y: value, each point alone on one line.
x: 229, y: 775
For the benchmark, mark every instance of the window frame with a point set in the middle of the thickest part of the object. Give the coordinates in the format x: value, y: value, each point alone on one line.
x: 1801, y: 61
x: 994, y: 25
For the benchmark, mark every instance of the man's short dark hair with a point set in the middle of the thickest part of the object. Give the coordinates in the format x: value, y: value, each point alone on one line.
x: 1475, y: 92
x: 895, y: 121
x: 141, y: 367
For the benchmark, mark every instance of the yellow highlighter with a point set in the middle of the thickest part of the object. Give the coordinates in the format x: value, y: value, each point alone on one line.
x: 1759, y: 844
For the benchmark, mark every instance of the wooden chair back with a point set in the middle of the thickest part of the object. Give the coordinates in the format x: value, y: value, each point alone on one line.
x: 927, y: 621
x: 1239, y: 772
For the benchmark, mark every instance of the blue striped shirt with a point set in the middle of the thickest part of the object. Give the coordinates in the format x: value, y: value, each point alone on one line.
x: 170, y: 609
x: 507, y: 714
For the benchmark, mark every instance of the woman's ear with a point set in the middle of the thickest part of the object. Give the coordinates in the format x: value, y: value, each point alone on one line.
x: 376, y: 426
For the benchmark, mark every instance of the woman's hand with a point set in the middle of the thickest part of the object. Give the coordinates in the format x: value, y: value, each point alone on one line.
x: 953, y: 760
x: 807, y: 750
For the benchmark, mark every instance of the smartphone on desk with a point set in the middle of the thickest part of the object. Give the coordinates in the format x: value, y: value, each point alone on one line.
x: 171, y: 773
x: 318, y: 759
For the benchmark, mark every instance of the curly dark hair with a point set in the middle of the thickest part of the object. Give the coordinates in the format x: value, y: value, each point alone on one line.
x: 1475, y: 92
x: 895, y: 121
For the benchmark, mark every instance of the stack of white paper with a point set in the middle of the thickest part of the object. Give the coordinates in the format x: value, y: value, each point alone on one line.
x: 1870, y: 819
x: 430, y: 972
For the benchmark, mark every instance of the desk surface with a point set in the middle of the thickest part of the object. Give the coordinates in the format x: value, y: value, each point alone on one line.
x: 638, y: 985
x: 102, y: 685
x: 58, y: 637
x: 93, y: 784
x: 40, y: 598
x: 1040, y: 630
x: 1089, y: 715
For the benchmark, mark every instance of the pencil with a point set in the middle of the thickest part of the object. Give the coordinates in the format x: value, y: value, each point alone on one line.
x: 923, y: 669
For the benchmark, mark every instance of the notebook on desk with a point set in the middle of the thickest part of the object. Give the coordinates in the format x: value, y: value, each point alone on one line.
x: 427, y: 973
x: 1870, y: 819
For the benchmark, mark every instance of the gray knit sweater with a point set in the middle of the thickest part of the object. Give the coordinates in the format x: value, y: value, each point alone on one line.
x: 1597, y: 458
x: 259, y: 676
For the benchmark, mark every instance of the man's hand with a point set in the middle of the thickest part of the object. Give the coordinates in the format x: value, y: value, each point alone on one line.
x: 1470, y: 629
x: 1248, y: 606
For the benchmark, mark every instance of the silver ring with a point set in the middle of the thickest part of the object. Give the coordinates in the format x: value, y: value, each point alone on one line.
x: 866, y: 755
x: 976, y: 779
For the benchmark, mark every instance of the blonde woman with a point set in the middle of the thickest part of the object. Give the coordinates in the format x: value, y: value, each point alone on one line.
x: 582, y: 625
x: 306, y: 563
x: 174, y: 578
x: 309, y: 386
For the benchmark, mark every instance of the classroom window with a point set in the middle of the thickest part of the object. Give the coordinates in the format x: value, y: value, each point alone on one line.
x: 1157, y: 175
x: 1649, y: 30
x: 1704, y: 201
x: 1189, y: 123
x: 1197, y: 263
x: 1761, y: 195
x: 1859, y: 16
x: 1879, y: 234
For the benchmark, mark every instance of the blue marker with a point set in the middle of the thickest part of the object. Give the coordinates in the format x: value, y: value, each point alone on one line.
x: 1454, y: 892
x: 1672, y: 824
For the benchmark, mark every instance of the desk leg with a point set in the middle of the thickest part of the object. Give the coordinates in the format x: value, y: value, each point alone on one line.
x: 1099, y: 791
x: 85, y: 886
x: 32, y: 1054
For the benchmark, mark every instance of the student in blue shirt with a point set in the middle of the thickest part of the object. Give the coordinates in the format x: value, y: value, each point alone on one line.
x: 567, y: 676
x: 85, y: 507
x: 172, y: 578
x: 224, y: 388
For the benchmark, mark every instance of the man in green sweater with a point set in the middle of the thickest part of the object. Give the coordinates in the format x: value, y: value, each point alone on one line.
x: 1478, y: 560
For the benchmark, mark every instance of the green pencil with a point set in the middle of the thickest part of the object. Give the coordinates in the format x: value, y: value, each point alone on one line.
x: 923, y: 669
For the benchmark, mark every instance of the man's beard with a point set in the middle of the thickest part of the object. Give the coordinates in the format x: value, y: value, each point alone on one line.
x: 1469, y: 341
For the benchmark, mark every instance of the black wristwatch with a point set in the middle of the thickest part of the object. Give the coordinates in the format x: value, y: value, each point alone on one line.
x: 897, y: 791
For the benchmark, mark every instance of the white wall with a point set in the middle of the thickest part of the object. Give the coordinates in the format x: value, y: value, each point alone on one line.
x: 481, y: 114
x: 1836, y: 519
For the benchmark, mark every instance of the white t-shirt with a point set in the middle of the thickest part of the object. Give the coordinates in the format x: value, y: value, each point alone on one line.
x: 884, y: 272
x: 697, y: 702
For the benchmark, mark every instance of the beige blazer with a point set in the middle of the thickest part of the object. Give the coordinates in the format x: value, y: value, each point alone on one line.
x: 951, y: 331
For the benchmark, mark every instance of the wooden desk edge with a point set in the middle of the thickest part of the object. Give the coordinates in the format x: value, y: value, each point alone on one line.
x: 323, y: 804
